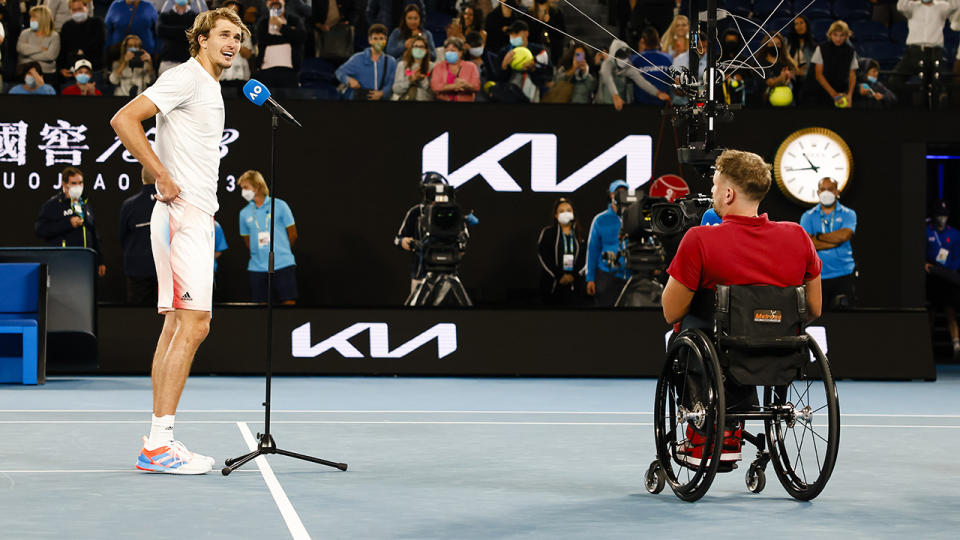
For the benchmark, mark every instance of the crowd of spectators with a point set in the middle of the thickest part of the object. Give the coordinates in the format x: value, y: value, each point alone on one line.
x: 844, y: 53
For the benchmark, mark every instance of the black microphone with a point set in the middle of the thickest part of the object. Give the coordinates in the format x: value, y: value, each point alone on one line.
x: 259, y: 94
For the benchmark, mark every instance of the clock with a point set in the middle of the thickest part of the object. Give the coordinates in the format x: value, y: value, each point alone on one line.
x: 806, y: 157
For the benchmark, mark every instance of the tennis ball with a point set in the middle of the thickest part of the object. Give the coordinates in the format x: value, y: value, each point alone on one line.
x: 521, y: 55
x: 840, y: 103
x: 781, y: 96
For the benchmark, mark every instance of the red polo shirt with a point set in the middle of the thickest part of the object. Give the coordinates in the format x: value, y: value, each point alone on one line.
x: 745, y: 251
x: 74, y: 90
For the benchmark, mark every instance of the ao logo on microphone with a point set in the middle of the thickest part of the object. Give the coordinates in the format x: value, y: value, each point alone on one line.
x: 379, y: 333
x: 635, y: 149
x: 256, y: 92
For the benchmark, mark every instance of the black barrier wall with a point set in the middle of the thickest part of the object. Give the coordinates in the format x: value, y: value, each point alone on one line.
x: 351, y: 174
x: 584, y: 343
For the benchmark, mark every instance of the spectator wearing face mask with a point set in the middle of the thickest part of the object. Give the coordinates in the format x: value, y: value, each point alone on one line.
x: 33, y: 82
x: 280, y: 36
x: 925, y: 22
x: 412, y: 80
x: 83, y: 77
x: 255, y: 231
x: 831, y: 226
x: 874, y: 94
x: 778, y: 88
x: 943, y: 261
x: 173, y: 25
x: 453, y: 78
x: 62, y: 11
x: 137, y: 17
x: 563, y: 257
x: 133, y: 72
x: 368, y: 74
x: 487, y: 62
x: 411, y: 26
x: 525, y: 65
x: 66, y: 219
x: 41, y: 43
x: 615, y: 71
x: 81, y: 36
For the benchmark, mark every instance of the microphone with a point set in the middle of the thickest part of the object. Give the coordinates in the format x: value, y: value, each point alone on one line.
x: 259, y: 94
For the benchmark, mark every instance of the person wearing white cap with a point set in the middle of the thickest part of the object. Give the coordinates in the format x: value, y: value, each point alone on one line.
x: 83, y: 75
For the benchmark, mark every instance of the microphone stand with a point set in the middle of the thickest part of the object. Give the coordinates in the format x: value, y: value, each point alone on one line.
x: 266, y: 444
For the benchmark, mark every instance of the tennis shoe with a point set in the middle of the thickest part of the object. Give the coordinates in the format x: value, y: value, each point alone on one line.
x: 173, y: 459
x: 690, y: 452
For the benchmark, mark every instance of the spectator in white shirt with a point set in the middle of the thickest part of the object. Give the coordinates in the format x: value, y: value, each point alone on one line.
x: 925, y: 22
x: 239, y: 71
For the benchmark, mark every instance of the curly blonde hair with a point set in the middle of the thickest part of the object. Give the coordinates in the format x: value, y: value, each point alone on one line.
x: 746, y: 170
x: 206, y: 21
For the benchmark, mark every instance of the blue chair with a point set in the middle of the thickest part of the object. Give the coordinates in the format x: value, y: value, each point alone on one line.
x: 886, y: 53
x: 738, y: 7
x: 821, y: 9
x: 315, y: 72
x: 869, y: 31
x: 898, y: 32
x: 819, y: 27
x: 762, y: 8
x: 23, y: 323
x: 852, y: 10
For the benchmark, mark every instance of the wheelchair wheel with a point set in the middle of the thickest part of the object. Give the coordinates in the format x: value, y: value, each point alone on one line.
x: 803, y: 442
x: 689, y: 406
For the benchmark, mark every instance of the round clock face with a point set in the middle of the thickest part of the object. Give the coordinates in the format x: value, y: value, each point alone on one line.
x: 806, y: 157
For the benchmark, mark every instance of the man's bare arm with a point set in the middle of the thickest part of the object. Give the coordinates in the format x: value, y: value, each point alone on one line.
x: 814, y: 299
x: 128, y: 124
x: 676, y: 300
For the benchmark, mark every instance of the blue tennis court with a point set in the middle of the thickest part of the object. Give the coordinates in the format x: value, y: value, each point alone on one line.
x: 449, y: 458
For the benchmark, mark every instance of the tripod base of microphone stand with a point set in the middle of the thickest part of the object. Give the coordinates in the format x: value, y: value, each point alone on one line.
x: 268, y: 446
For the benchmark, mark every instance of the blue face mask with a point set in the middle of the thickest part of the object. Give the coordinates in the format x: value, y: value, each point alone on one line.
x: 133, y: 49
x: 29, y: 81
x: 516, y: 41
x: 34, y: 25
x: 451, y: 56
x: 83, y: 78
x: 180, y: 3
x: 872, y: 80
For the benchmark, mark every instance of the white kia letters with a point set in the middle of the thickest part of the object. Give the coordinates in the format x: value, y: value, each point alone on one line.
x: 379, y: 333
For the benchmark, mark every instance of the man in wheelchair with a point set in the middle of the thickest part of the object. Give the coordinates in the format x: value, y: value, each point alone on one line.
x: 745, y: 249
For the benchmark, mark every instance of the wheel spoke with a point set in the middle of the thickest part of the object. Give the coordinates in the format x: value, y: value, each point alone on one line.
x: 814, y: 433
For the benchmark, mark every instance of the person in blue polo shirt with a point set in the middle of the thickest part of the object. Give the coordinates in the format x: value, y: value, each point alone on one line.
x: 831, y: 226
x: 606, y: 280
x: 255, y: 231
x: 943, y: 261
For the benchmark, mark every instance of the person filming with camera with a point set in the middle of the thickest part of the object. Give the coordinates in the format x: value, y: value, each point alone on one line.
x: 747, y: 248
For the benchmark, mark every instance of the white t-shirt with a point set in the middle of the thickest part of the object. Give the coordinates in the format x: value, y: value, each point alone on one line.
x: 189, y: 131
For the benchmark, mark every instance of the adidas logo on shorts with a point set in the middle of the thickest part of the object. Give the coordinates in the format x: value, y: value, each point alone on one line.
x: 186, y: 297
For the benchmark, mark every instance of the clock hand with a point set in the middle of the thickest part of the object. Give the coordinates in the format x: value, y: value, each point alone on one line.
x: 814, y: 167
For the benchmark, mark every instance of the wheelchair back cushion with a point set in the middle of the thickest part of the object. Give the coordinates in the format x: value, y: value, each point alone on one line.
x: 760, y: 312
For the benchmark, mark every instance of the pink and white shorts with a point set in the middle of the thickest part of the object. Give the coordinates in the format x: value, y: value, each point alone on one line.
x: 181, y: 236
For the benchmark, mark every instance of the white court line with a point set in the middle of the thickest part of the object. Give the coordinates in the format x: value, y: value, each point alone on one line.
x: 369, y: 411
x: 290, y: 517
x: 428, y: 422
x: 79, y: 471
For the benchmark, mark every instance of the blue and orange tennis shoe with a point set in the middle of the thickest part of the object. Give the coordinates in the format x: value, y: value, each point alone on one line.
x: 173, y: 459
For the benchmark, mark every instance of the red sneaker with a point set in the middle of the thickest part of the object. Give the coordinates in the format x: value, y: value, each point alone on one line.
x: 691, y: 452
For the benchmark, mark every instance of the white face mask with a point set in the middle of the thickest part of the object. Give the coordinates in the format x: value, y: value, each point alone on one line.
x: 247, y: 194
x: 565, y: 217
x: 941, y: 221
x: 476, y: 51
x: 75, y: 192
x: 827, y: 198
x: 79, y: 16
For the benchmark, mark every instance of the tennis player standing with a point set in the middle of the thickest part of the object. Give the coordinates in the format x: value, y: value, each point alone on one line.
x: 187, y: 103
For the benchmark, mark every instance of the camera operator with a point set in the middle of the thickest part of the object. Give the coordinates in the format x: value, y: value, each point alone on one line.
x: 606, y: 266
x: 562, y: 258
x: 832, y: 225
x: 745, y: 249
x: 410, y: 235
x: 66, y: 219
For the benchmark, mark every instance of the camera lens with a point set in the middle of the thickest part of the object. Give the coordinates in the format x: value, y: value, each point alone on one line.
x: 669, y: 219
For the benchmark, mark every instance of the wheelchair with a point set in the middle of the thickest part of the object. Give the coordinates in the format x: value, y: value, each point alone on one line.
x: 757, y: 340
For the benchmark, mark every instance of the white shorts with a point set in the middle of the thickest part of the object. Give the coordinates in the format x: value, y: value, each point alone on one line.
x: 182, y: 239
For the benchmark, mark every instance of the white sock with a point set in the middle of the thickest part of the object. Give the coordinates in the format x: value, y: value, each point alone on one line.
x: 161, y: 431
